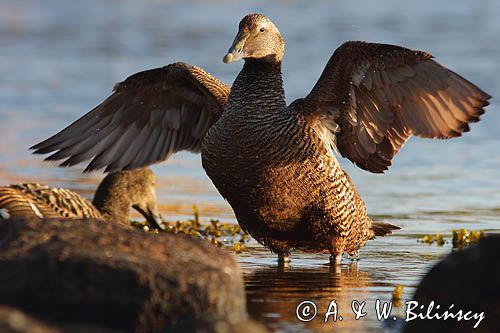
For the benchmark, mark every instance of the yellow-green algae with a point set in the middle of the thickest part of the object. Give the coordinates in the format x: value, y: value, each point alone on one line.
x: 215, y: 232
x: 461, y: 238
x: 397, y: 294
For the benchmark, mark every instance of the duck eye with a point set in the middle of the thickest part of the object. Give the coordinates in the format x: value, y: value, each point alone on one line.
x: 262, y: 29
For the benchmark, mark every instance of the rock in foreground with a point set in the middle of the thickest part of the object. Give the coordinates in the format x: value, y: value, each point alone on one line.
x: 100, y: 273
x: 16, y: 321
x: 468, y: 279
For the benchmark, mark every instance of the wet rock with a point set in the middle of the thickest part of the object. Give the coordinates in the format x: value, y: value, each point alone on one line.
x: 98, y: 273
x: 468, y: 279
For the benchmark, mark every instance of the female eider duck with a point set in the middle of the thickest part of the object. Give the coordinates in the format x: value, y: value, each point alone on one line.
x: 274, y: 163
x: 115, y: 195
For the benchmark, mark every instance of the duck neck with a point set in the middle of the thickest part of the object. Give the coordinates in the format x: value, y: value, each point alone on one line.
x: 113, y: 205
x: 261, y: 83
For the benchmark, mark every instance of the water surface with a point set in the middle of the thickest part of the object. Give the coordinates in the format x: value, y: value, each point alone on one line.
x: 60, y: 58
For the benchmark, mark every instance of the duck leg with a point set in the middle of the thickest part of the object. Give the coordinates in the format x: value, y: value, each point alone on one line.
x: 355, y: 255
x: 337, y: 249
x: 335, y: 258
x: 283, y: 257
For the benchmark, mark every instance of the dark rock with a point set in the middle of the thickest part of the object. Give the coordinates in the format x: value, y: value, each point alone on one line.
x: 15, y: 321
x: 100, y: 273
x: 468, y: 279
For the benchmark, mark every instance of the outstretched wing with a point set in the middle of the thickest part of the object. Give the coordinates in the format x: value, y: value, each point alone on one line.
x: 149, y: 116
x: 371, y: 98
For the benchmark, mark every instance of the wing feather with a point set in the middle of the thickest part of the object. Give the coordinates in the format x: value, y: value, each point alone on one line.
x: 149, y: 116
x: 380, y: 95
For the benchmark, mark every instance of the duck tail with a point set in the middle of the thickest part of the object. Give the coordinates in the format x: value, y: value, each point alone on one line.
x: 383, y: 229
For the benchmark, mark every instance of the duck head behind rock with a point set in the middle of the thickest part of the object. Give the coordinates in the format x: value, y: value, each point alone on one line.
x: 121, y: 190
x: 257, y: 38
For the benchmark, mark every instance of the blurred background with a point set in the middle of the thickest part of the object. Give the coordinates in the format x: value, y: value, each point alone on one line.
x: 59, y: 59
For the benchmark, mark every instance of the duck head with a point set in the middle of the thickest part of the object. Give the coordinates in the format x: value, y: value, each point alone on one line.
x: 257, y: 38
x: 119, y: 191
x: 143, y: 196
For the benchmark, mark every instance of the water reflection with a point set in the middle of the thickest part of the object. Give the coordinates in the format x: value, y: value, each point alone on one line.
x: 275, y: 292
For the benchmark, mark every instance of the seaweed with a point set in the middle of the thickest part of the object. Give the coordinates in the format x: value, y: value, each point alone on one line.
x: 429, y: 239
x: 460, y: 238
x: 215, y: 232
x: 397, y: 294
x: 463, y: 238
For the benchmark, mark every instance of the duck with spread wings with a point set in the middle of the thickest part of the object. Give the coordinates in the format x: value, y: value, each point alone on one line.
x: 276, y: 164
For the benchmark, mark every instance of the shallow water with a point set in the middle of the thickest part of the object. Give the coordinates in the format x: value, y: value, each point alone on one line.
x: 59, y: 59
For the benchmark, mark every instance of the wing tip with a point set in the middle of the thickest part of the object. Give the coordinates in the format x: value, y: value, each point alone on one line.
x: 40, y: 149
x: 50, y: 158
x: 42, y: 145
x: 35, y: 147
x: 89, y: 168
x: 372, y: 166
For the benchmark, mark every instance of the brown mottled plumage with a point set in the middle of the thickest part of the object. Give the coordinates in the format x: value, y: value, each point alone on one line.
x: 275, y: 163
x: 116, y: 194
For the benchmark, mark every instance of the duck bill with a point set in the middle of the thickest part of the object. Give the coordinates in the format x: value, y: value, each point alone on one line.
x: 151, y: 215
x: 155, y: 220
x: 235, y: 52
